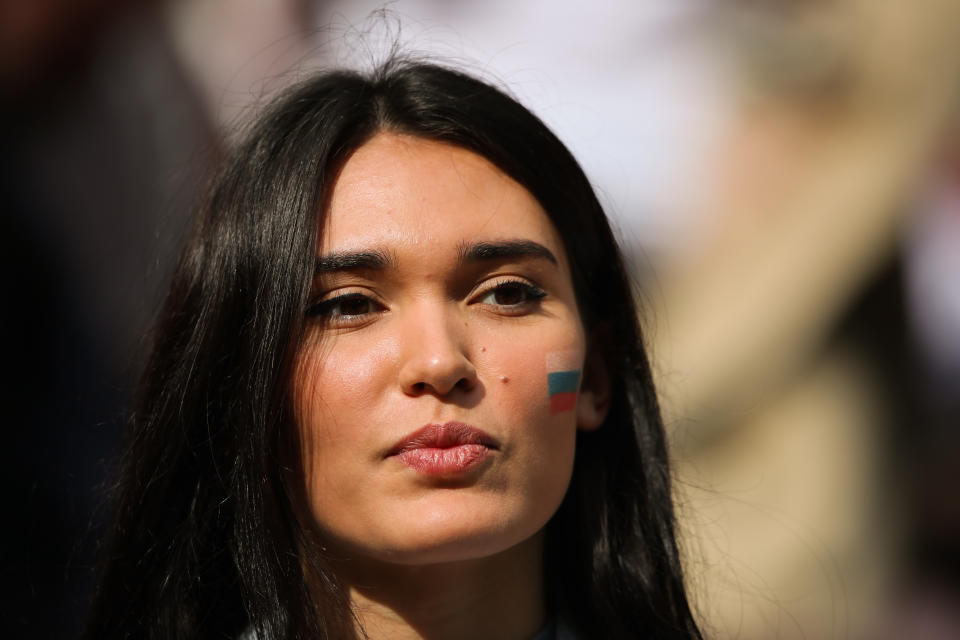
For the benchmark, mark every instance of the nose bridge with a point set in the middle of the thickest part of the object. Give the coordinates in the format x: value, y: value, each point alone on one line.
x: 436, y: 349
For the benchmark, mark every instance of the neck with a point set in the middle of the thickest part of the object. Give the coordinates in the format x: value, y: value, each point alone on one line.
x: 500, y: 596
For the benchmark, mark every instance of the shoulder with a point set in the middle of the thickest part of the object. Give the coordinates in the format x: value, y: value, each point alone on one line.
x: 563, y: 632
x: 556, y: 630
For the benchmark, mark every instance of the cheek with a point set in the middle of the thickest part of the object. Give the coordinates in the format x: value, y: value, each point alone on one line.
x: 334, y: 394
x: 544, y: 433
x: 545, y: 437
x: 335, y: 384
x: 542, y: 380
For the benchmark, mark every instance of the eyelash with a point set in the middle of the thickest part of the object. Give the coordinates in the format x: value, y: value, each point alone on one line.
x: 532, y: 293
x: 324, y: 309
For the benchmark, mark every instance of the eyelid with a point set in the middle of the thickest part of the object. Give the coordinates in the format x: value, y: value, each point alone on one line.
x: 534, y: 291
x: 324, y: 302
x: 338, y: 291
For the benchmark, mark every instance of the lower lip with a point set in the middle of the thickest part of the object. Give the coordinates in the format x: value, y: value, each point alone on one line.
x: 447, y: 461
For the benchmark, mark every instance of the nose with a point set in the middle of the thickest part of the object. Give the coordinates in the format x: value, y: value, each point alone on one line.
x: 436, y: 359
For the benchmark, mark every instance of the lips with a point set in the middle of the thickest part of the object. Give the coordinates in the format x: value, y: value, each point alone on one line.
x: 444, y: 449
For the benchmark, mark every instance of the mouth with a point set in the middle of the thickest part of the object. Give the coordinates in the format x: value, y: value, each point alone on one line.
x: 444, y: 449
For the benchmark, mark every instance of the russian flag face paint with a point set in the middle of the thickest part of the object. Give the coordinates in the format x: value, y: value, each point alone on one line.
x: 563, y: 380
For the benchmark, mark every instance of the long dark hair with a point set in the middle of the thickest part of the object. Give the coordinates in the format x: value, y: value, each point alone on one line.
x: 205, y: 542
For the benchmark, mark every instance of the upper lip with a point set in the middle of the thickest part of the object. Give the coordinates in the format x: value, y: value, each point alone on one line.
x: 443, y: 436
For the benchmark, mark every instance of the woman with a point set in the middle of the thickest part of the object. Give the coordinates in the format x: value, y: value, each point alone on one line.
x: 397, y: 390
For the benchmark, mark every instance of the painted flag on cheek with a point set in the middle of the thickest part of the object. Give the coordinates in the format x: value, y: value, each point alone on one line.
x: 562, y: 387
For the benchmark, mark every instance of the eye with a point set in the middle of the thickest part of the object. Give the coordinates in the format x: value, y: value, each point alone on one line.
x: 349, y: 308
x: 513, y: 295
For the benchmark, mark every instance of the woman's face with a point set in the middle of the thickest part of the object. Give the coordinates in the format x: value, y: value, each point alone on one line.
x: 431, y: 428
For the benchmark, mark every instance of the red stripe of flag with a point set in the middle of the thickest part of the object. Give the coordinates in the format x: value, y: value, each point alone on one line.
x: 560, y: 402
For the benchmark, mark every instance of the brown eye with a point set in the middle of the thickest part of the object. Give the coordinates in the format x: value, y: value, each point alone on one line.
x: 509, y: 294
x: 512, y: 294
x: 347, y: 307
x: 354, y: 306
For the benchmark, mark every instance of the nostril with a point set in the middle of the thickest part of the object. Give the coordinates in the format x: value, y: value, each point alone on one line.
x: 438, y: 376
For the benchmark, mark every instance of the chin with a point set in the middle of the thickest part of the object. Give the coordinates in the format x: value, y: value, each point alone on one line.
x: 475, y: 545
x: 445, y: 536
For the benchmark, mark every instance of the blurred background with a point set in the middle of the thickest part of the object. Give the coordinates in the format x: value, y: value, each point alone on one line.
x: 785, y: 177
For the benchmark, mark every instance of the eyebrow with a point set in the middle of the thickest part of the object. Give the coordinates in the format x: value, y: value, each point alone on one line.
x: 484, y: 251
x: 377, y: 260
x: 353, y: 261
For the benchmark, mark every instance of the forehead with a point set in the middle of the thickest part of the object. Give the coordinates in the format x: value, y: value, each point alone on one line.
x: 410, y: 193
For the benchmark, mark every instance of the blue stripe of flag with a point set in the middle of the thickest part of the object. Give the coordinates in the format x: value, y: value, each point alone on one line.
x: 563, y: 381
